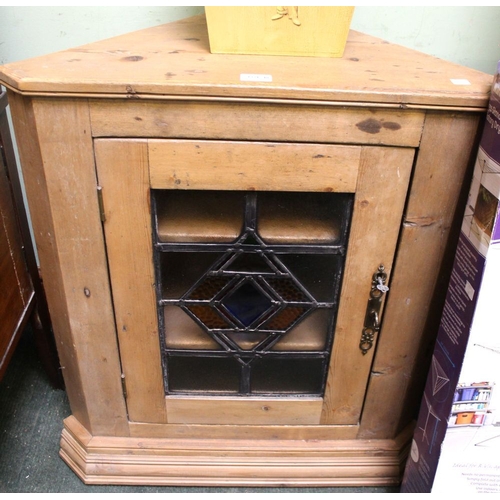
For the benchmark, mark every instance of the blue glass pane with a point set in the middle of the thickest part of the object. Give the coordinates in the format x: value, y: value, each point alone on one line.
x: 247, y: 303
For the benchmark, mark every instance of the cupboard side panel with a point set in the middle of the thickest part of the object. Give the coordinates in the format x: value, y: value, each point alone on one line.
x: 401, y: 363
x: 378, y: 209
x: 55, y: 148
x: 123, y: 172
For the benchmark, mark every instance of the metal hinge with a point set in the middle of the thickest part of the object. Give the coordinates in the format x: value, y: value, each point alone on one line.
x: 124, y: 386
x: 101, y: 204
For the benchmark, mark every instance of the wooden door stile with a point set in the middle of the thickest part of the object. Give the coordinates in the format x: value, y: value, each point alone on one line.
x: 378, y: 208
x: 124, y: 178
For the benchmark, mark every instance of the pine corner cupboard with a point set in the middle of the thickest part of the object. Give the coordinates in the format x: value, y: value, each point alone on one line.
x: 242, y: 255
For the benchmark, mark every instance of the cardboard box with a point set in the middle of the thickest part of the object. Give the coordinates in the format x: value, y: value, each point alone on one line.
x: 456, y: 445
x: 291, y: 31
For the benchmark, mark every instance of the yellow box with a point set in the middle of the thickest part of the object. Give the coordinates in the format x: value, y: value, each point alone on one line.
x: 291, y: 31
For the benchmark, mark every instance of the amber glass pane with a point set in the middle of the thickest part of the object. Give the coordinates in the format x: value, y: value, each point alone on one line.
x: 284, y: 319
x: 208, y: 316
x: 308, y: 335
x: 246, y: 341
x: 182, y: 332
x: 300, y: 218
x: 209, y: 288
x: 199, y: 216
x: 287, y: 290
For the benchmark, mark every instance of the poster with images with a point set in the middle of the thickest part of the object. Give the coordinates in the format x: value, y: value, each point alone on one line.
x: 456, y: 444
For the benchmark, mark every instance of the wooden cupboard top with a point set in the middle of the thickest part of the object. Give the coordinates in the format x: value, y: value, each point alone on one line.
x: 175, y: 60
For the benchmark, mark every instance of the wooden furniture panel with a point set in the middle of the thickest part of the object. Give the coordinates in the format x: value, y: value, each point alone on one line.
x: 175, y: 60
x: 71, y: 252
x: 428, y: 220
x: 244, y: 431
x: 253, y: 166
x: 236, y: 411
x: 385, y: 123
x: 128, y: 234
x: 242, y: 462
x: 380, y: 198
x: 123, y: 167
x: 256, y: 121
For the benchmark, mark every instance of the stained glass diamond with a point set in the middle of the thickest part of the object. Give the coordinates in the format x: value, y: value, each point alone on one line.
x: 247, y: 303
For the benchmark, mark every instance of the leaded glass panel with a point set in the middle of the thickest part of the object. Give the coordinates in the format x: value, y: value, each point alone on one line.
x: 252, y: 314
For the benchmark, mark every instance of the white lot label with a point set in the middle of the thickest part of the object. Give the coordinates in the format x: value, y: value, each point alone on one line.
x: 460, y: 81
x: 252, y: 77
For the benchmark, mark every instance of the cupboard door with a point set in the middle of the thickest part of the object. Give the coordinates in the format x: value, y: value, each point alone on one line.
x: 248, y: 375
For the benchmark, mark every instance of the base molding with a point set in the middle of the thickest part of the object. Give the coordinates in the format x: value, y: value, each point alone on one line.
x: 219, y: 462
